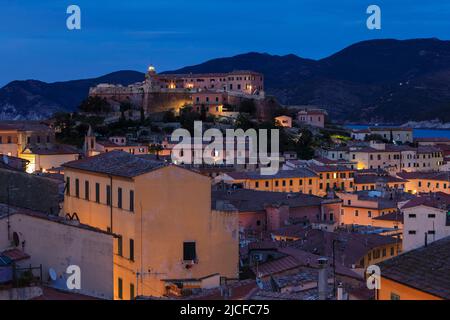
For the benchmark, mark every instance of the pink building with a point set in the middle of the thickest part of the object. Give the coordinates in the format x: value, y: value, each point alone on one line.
x: 312, y: 117
x: 247, y: 82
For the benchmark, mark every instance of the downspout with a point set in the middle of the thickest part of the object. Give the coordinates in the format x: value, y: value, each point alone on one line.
x: 111, y: 203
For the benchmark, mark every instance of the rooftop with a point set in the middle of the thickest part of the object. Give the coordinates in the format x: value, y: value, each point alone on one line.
x: 426, y: 269
x: 23, y: 126
x: 437, y: 200
x: 438, y: 176
x: 116, y: 163
x: 244, y: 200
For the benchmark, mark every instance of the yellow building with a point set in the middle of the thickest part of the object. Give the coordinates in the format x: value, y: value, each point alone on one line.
x: 366, y: 209
x: 420, y: 274
x: 169, y: 238
x: 314, y: 179
x: 425, y: 182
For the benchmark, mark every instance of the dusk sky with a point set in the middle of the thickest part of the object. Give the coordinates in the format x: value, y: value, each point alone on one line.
x: 131, y: 34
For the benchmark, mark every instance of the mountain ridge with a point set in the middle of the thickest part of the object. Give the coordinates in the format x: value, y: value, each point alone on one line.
x: 374, y: 81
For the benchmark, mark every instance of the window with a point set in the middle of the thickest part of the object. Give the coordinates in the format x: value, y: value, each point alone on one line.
x: 431, y: 232
x: 369, y: 214
x: 392, y: 251
x: 189, y: 252
x: 431, y: 216
x: 119, y: 198
x: 131, y: 249
x: 120, y: 288
x: 97, y: 192
x: 412, y: 215
x: 131, y: 200
x: 395, y: 296
x: 86, y: 190
x: 108, y: 195
x: 412, y: 232
x: 256, y: 184
x: 310, y: 182
x: 131, y: 291
x: 77, y: 188
x: 120, y: 246
x: 68, y: 186
x: 384, y: 252
x: 356, y: 213
x: 267, y: 184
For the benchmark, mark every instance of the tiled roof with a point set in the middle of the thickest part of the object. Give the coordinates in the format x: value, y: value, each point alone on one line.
x: 329, y: 168
x: 24, y: 126
x: 15, y: 254
x: 393, y: 216
x: 438, y: 200
x: 116, y: 163
x: 373, y: 178
x: 52, y: 149
x: 350, y: 249
x: 438, y: 176
x: 283, y: 174
x: 251, y: 200
x: 426, y: 269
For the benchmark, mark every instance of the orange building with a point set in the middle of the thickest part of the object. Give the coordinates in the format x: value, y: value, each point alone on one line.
x: 420, y: 274
x: 424, y: 182
x: 168, y: 236
x: 367, y: 208
x: 315, y: 180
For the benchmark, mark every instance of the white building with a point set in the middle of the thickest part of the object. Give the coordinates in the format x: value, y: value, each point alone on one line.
x: 426, y: 219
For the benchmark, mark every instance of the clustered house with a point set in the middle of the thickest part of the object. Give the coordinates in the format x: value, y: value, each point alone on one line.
x: 34, y: 142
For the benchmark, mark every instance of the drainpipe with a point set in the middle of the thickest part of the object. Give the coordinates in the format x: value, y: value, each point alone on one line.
x: 111, y: 203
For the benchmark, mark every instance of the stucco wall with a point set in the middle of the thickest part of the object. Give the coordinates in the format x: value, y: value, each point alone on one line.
x: 57, y: 245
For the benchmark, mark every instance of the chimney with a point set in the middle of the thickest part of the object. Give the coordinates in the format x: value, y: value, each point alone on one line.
x: 340, y: 292
x: 323, y: 278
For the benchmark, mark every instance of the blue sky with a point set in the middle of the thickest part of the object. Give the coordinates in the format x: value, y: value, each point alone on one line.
x: 131, y: 34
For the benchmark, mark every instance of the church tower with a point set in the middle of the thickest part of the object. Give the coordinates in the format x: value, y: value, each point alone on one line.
x: 89, y: 143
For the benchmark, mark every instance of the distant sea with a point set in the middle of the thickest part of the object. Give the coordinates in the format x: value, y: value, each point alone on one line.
x: 418, y: 133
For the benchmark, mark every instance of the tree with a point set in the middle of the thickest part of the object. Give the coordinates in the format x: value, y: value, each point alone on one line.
x: 94, y: 104
x: 247, y: 106
x: 156, y: 149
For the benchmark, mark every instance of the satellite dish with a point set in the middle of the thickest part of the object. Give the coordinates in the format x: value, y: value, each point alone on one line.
x: 52, y: 274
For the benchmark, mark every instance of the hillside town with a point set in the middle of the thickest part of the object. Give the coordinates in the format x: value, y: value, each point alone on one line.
x: 99, y: 191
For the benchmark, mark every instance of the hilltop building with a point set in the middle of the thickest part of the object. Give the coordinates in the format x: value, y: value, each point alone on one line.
x: 209, y: 92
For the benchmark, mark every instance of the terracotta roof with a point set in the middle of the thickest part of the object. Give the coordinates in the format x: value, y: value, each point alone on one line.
x: 329, y: 168
x: 373, y: 178
x: 116, y: 163
x: 251, y: 200
x: 426, y: 269
x: 438, y: 176
x: 350, y: 248
x: 392, y: 216
x: 52, y: 149
x: 15, y: 254
x: 55, y: 294
x: 24, y: 126
x: 438, y: 200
